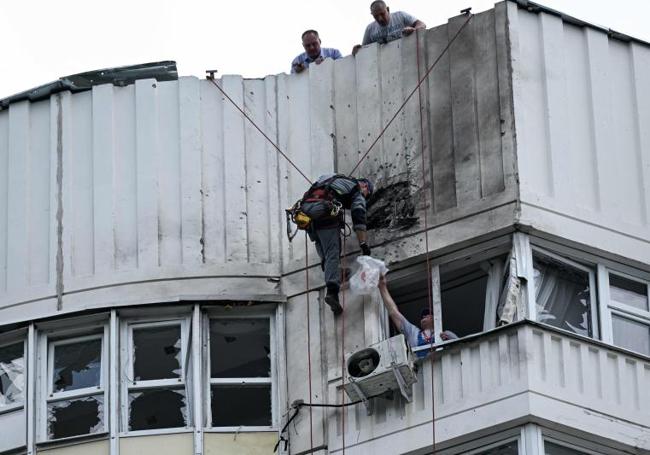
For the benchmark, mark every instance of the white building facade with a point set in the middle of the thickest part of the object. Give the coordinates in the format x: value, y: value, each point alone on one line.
x: 151, y: 303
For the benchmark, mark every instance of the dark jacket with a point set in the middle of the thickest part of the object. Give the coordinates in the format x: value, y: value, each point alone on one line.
x: 346, y: 191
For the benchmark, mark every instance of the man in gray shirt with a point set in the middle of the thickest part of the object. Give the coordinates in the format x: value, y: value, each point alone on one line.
x: 387, y: 27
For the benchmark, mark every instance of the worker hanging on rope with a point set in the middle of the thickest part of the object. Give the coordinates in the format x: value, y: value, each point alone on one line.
x: 320, y: 212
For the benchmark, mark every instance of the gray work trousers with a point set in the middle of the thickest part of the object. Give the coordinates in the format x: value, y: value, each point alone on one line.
x: 328, y: 246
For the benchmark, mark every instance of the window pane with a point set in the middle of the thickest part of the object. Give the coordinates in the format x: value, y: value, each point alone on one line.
x: 75, y: 417
x: 239, y: 348
x: 158, y: 408
x: 563, y: 296
x: 631, y: 335
x: 506, y: 449
x: 157, y: 353
x: 77, y: 365
x: 233, y: 406
x: 628, y: 292
x: 555, y: 449
x: 12, y: 374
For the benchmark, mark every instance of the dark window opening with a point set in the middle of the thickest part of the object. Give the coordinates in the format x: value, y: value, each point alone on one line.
x: 75, y: 417
x: 155, y: 409
x: 555, y: 449
x: 12, y: 378
x: 463, y: 299
x: 157, y: 353
x: 236, y: 405
x: 240, y: 348
x: 411, y: 295
x: 510, y: 448
x: 77, y: 365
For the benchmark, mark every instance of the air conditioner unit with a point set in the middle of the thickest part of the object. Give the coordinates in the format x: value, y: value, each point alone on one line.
x: 379, y: 368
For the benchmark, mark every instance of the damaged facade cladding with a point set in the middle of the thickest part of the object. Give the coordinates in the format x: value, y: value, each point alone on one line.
x: 157, y: 211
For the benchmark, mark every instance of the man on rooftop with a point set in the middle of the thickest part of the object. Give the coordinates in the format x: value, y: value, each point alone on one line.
x: 313, y: 52
x: 387, y: 27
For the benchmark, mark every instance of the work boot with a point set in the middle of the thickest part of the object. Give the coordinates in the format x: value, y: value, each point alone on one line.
x: 332, y: 299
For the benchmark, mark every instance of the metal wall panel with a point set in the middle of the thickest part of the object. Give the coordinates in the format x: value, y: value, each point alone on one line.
x: 582, y: 102
x: 167, y: 180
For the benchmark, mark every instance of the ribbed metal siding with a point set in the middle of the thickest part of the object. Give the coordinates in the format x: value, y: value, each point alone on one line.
x: 167, y: 180
x: 582, y: 108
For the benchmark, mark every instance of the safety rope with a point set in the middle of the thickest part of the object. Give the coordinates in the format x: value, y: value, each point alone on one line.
x: 223, y: 92
x: 311, y: 421
x: 417, y: 87
x: 343, y: 282
x: 426, y: 246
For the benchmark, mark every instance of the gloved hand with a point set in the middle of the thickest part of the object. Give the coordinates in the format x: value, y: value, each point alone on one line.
x: 365, y: 249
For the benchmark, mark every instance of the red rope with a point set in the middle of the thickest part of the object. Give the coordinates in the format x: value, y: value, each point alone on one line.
x: 417, y: 88
x: 426, y: 246
x: 258, y: 129
x: 311, y: 420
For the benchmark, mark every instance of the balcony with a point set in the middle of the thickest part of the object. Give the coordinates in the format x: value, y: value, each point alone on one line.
x: 499, y: 380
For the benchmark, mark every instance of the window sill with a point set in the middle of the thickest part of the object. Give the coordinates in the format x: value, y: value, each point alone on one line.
x: 240, y: 430
x: 11, y: 408
x: 72, y: 440
x: 160, y: 431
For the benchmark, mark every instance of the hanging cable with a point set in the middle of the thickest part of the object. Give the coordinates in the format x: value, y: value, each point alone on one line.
x: 426, y: 246
x: 417, y: 87
x: 223, y: 92
x: 311, y: 421
x: 343, y: 283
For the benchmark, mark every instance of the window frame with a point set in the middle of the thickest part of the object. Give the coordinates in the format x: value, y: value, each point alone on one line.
x: 129, y: 385
x: 608, y: 307
x: 49, y: 341
x: 7, y: 340
x: 594, y: 294
x: 261, y: 313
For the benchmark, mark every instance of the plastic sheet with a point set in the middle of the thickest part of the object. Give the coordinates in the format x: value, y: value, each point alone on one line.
x: 12, y: 374
x: 365, y: 280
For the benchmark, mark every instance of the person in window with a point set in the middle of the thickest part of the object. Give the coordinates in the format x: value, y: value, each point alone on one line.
x: 387, y: 27
x: 415, y: 336
x: 313, y: 52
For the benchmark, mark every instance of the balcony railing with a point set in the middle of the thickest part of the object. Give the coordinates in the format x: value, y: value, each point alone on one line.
x: 495, y: 380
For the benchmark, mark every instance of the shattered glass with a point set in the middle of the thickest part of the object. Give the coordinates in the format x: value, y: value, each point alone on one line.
x: 240, y: 348
x: 12, y: 374
x: 77, y: 365
x: 236, y: 405
x: 563, y: 296
x: 157, y: 408
x: 75, y: 417
x: 157, y: 353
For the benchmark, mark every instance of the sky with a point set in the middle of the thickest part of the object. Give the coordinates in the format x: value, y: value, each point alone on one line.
x: 44, y: 40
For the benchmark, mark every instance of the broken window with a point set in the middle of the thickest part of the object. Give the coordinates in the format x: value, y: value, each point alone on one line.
x: 510, y: 448
x: 75, y: 399
x: 462, y: 293
x: 12, y: 374
x: 563, y: 292
x: 556, y: 449
x: 157, y: 395
x: 240, y: 372
x: 629, y: 313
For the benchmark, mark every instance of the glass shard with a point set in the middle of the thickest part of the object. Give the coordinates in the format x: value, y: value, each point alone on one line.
x: 240, y: 348
x: 234, y: 406
x: 563, y: 296
x: 77, y: 365
x: 158, y: 408
x: 75, y: 417
x: 157, y: 353
x: 12, y: 374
